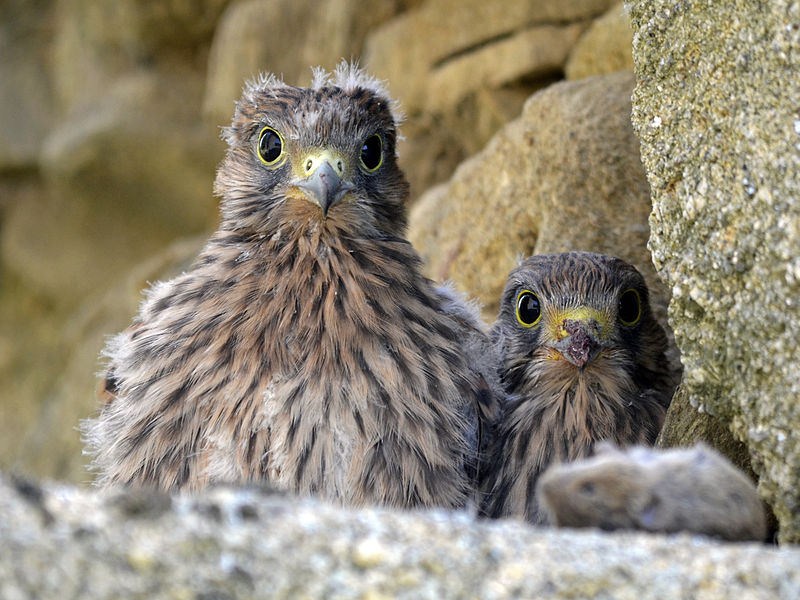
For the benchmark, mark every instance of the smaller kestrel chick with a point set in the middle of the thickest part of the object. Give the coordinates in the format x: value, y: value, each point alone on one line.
x: 682, y: 489
x: 582, y: 360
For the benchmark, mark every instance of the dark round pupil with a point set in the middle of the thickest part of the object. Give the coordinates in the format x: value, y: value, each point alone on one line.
x: 371, y: 152
x: 528, y: 308
x: 629, y: 306
x: 269, y: 146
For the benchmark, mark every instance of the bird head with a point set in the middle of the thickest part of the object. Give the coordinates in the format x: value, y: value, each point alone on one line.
x: 322, y: 155
x: 578, y: 313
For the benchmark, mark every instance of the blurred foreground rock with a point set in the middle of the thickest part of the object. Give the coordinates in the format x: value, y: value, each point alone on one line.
x: 715, y: 108
x: 61, y: 542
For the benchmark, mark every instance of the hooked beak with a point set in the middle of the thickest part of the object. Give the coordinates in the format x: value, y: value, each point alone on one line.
x: 323, y: 184
x: 579, y: 336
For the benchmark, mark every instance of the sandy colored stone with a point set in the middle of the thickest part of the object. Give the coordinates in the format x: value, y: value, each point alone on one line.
x: 440, y: 31
x: 462, y: 70
x: 26, y: 95
x: 95, y: 41
x: 124, y: 177
x: 51, y: 373
x: 715, y: 108
x: 605, y: 47
x: 530, y: 53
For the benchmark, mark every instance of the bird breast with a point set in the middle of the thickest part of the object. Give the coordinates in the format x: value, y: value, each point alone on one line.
x: 365, y: 375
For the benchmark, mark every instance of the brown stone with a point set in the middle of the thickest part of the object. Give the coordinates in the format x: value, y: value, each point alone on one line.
x: 123, y: 178
x: 441, y: 31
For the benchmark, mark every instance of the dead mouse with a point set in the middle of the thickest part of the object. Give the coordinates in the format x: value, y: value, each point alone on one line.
x: 681, y: 489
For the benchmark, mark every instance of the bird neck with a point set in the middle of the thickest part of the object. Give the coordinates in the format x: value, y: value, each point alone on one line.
x: 601, y: 401
x: 259, y: 217
x: 320, y: 290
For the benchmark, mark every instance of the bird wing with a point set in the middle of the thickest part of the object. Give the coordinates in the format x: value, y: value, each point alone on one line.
x: 486, y: 392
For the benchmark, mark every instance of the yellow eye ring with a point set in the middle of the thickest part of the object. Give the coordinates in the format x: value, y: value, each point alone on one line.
x: 372, y: 153
x: 629, y: 307
x: 270, y: 146
x: 529, y: 309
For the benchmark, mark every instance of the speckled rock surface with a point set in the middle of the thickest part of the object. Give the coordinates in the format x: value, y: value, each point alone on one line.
x: 715, y: 108
x: 63, y: 542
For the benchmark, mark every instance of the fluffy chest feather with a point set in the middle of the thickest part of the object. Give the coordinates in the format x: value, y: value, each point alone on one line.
x: 360, y: 374
x: 558, y: 414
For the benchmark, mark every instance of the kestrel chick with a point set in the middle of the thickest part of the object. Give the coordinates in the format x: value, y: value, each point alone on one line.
x: 582, y: 360
x: 304, y: 346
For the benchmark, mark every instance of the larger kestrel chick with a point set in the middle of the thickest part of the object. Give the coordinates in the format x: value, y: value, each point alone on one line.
x: 582, y: 360
x: 304, y: 346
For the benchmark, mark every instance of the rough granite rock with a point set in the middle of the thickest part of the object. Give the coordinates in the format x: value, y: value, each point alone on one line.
x: 715, y: 108
x: 564, y: 176
x: 62, y: 542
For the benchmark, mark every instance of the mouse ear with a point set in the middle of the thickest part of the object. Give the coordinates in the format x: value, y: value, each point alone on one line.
x: 605, y: 448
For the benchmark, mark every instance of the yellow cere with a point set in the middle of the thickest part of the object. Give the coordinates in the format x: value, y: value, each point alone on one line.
x: 556, y: 318
x: 312, y: 159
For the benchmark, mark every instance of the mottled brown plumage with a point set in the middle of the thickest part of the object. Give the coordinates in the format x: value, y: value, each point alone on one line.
x: 582, y: 360
x: 304, y: 347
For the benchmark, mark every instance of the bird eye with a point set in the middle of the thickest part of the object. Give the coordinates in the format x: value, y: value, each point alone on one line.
x: 529, y: 311
x: 372, y: 153
x: 629, y: 308
x: 270, y: 146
